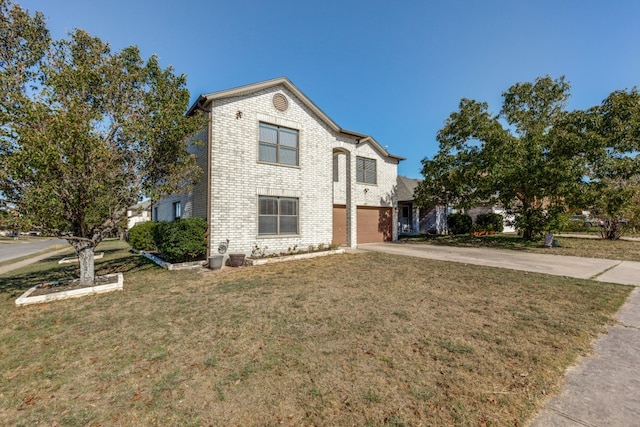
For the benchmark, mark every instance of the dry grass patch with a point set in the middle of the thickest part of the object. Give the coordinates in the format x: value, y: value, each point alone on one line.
x: 583, y: 247
x: 358, y: 339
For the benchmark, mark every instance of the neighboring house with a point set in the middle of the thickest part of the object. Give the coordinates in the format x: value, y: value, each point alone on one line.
x: 278, y: 173
x: 138, y: 213
x: 413, y: 220
x: 506, y: 219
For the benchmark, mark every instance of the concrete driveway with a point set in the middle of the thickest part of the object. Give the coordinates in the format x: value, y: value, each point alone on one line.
x: 622, y: 272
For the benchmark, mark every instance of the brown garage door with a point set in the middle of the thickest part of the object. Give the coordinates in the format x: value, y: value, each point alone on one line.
x: 374, y: 224
x: 340, y: 224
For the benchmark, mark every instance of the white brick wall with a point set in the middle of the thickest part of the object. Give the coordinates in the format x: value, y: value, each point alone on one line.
x: 237, y: 178
x: 194, y: 203
x: 199, y: 196
x: 381, y: 193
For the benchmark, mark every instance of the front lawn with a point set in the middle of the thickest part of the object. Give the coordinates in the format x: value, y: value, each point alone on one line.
x: 356, y: 339
x: 584, y: 247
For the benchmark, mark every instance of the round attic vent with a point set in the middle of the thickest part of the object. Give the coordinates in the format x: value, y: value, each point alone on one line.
x: 280, y: 102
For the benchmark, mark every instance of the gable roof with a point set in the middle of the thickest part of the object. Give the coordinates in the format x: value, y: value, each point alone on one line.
x: 205, y: 99
x: 142, y: 206
x: 406, y: 187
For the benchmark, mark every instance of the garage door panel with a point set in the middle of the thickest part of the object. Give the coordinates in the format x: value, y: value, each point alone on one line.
x: 374, y: 224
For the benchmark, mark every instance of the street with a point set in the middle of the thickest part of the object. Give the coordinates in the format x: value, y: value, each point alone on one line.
x: 11, y: 250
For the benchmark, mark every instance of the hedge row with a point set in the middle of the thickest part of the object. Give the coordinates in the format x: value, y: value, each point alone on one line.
x: 459, y: 223
x: 182, y: 240
x: 462, y: 224
x: 490, y: 222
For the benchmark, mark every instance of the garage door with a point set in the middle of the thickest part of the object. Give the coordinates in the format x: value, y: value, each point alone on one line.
x: 340, y: 224
x: 374, y: 224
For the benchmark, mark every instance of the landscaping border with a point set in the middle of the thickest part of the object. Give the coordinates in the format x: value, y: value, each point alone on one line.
x: 68, y: 260
x: 284, y: 258
x: 178, y: 266
x: 25, y: 299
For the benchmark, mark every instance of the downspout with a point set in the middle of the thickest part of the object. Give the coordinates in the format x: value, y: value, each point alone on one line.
x: 209, y: 189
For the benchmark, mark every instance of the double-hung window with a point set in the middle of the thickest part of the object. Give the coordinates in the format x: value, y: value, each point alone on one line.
x: 366, y: 170
x: 278, y: 145
x: 277, y: 215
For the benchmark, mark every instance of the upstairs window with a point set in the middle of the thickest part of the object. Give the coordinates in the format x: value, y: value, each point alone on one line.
x: 277, y: 216
x: 366, y: 170
x: 278, y: 145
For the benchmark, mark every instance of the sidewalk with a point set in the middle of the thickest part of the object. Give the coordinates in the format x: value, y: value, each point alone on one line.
x: 602, y: 390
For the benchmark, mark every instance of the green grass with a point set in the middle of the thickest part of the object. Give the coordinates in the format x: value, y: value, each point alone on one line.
x: 21, y: 239
x: 591, y: 248
x: 355, y: 339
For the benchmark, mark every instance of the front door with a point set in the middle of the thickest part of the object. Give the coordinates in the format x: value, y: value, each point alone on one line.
x: 340, y: 224
x: 405, y: 220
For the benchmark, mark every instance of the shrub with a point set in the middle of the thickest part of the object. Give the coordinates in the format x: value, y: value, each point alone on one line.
x: 182, y: 240
x: 490, y: 222
x: 459, y: 223
x: 141, y: 236
x: 575, y: 225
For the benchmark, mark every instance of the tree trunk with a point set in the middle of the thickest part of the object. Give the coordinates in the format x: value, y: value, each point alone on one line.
x: 610, y: 230
x: 84, y: 250
x: 527, y: 233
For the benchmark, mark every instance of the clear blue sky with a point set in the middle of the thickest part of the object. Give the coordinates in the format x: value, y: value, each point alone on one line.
x: 391, y: 69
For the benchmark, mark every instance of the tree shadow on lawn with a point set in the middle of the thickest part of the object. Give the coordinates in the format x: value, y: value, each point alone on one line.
x: 16, y: 282
x: 495, y: 241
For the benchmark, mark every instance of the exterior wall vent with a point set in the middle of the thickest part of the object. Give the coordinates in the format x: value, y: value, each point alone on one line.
x: 280, y: 102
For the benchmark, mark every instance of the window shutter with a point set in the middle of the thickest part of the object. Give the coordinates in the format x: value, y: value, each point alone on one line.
x: 370, y: 171
x: 366, y: 170
x: 360, y: 169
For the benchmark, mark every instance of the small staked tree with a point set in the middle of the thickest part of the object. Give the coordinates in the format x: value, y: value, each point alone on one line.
x: 85, y: 131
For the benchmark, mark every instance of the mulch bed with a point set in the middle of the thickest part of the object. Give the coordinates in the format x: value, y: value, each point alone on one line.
x: 69, y: 285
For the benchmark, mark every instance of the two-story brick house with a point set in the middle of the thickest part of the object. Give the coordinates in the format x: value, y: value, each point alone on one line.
x: 279, y: 173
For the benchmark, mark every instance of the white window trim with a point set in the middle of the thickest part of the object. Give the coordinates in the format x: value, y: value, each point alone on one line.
x: 278, y: 234
x: 278, y: 163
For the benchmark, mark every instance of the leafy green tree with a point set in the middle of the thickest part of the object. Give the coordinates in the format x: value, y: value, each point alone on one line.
x: 86, y: 131
x: 612, y: 187
x: 23, y: 42
x: 525, y: 158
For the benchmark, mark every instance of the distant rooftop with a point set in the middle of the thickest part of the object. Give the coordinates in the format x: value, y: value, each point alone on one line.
x: 406, y: 186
